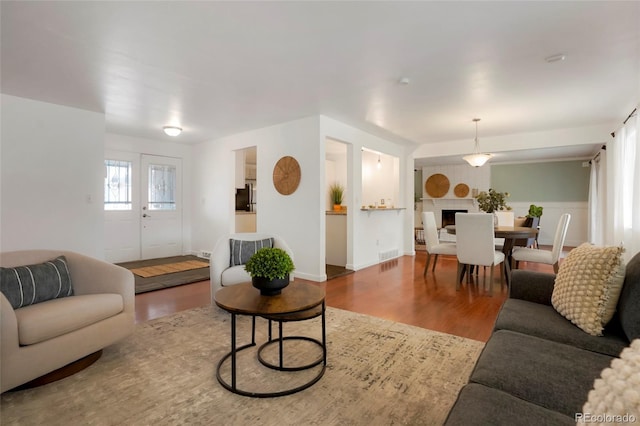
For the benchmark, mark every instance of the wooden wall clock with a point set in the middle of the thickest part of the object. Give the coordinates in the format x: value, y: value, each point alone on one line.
x: 286, y: 175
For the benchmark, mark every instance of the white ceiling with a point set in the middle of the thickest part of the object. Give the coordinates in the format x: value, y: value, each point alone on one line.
x: 218, y: 68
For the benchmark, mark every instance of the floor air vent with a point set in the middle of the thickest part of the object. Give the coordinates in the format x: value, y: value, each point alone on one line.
x: 205, y: 254
x: 389, y: 254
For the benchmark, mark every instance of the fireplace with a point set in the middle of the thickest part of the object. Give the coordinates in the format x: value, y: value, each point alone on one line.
x: 449, y: 216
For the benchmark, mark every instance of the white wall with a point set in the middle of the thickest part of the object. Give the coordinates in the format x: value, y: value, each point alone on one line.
x: 300, y: 217
x: 296, y: 218
x: 51, y: 177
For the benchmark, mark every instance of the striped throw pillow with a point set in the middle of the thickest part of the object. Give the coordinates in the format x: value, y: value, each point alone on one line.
x: 242, y: 250
x: 31, y: 284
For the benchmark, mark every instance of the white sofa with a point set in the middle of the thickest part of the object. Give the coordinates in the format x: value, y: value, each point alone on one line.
x: 43, y: 337
x: 222, y: 274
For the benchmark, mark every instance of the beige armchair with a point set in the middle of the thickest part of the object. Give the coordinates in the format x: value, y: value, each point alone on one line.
x: 43, y: 337
x: 223, y: 273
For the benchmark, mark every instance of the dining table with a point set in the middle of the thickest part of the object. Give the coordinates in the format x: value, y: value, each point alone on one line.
x: 510, y: 234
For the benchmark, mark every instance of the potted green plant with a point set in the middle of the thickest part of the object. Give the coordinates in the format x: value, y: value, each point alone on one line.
x: 534, y: 211
x: 336, y: 192
x: 492, y: 201
x: 269, y: 269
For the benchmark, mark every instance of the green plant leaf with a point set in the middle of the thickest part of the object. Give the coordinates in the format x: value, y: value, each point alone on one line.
x: 269, y: 263
x: 336, y: 192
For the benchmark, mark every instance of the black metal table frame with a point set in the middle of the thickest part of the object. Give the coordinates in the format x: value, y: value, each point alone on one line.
x: 280, y: 319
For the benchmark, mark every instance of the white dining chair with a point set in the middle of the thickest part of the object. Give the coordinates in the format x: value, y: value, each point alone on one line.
x: 475, y: 245
x: 525, y: 254
x: 434, y: 246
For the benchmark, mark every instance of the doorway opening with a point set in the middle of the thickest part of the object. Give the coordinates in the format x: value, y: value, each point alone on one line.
x: 246, y: 190
x: 336, y: 217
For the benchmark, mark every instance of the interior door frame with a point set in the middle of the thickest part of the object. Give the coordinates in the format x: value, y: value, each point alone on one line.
x: 123, y: 228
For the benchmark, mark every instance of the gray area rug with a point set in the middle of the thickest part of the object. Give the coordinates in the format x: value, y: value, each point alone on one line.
x: 379, y: 373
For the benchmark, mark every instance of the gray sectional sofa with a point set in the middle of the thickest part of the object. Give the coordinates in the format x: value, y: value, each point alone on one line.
x: 538, y: 368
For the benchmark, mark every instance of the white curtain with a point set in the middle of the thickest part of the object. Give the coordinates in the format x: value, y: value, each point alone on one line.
x: 614, y: 204
x: 597, y: 210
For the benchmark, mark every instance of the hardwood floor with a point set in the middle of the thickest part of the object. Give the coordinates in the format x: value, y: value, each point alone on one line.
x: 394, y: 290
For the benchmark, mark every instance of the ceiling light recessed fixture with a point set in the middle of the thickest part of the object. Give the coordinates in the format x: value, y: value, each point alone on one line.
x: 477, y: 159
x: 172, y: 130
x: 556, y: 58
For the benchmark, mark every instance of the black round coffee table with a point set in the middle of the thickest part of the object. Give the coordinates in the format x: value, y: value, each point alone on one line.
x: 298, y: 302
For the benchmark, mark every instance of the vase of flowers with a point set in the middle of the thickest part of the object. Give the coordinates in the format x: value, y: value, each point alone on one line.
x: 493, y: 201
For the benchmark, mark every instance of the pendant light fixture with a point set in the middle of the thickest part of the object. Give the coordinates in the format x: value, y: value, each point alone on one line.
x: 477, y: 159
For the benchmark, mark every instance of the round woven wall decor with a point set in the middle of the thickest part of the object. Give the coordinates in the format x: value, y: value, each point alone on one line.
x: 461, y: 190
x: 286, y: 175
x: 437, y: 185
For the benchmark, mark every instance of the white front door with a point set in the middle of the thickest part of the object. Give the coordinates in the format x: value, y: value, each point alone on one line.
x: 161, y: 207
x: 143, y: 206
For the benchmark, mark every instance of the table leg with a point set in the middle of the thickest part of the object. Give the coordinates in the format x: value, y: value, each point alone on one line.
x: 233, y: 351
x: 281, y: 349
x: 324, y: 334
x: 253, y: 330
x: 507, y: 248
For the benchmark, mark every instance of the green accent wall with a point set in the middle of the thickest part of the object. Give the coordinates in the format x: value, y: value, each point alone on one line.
x: 553, y: 181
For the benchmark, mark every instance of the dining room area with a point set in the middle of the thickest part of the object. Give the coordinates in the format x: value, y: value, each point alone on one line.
x: 500, y: 217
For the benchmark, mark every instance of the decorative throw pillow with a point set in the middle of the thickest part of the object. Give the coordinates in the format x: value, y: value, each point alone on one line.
x: 615, y: 397
x: 588, y: 286
x: 30, y: 284
x: 242, y: 250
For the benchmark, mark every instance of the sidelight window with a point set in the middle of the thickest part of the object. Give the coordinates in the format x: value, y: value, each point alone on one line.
x: 117, y: 185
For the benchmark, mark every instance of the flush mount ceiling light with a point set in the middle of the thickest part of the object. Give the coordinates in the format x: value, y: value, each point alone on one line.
x: 477, y: 159
x: 556, y: 58
x: 172, y: 130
